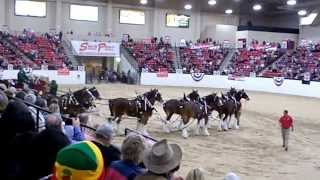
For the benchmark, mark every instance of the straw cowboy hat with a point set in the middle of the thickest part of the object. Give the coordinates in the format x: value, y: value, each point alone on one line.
x: 162, y: 157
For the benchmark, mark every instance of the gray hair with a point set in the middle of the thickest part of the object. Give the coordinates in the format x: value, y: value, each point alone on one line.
x: 54, y: 121
x: 196, y: 174
x: 54, y: 108
x: 132, y: 148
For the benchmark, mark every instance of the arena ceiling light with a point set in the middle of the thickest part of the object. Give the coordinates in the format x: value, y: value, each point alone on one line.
x: 188, y: 6
x: 291, y: 2
x: 144, y: 2
x: 212, y: 2
x: 229, y: 11
x: 302, y: 12
x: 257, y: 7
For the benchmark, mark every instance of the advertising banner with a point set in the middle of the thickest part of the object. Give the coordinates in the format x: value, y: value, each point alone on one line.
x: 102, y: 49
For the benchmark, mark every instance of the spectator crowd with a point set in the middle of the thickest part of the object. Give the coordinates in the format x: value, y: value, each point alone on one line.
x: 45, y: 49
x: 51, y: 146
x: 151, y: 54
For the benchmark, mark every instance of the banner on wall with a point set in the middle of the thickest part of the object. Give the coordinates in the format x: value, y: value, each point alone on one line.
x: 163, y: 72
x: 63, y: 72
x: 102, y: 49
x: 235, y: 78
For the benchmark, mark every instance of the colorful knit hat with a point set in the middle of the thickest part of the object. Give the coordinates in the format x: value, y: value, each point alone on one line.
x: 81, y: 161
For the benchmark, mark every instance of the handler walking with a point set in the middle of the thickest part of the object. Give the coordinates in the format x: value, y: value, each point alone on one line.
x: 286, y: 122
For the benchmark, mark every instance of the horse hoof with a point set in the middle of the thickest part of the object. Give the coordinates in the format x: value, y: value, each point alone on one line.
x: 185, y: 134
x: 166, y: 130
x: 206, y: 133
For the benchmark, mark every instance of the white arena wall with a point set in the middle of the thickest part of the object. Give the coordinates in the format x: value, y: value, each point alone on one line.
x: 289, y: 87
x: 74, y: 77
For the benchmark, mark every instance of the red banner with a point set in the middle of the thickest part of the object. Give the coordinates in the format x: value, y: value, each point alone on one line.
x: 63, y: 72
x: 163, y: 72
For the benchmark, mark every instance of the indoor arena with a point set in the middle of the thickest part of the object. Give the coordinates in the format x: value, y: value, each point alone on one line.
x: 160, y: 89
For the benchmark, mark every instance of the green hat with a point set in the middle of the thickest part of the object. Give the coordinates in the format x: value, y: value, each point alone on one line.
x: 81, y: 161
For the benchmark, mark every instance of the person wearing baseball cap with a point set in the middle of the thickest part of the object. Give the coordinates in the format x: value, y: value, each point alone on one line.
x: 162, y: 161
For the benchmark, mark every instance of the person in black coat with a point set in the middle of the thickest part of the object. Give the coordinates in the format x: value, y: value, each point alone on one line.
x: 45, y: 146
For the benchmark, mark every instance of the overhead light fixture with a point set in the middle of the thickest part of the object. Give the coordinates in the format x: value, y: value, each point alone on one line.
x: 229, y: 11
x: 257, y: 7
x: 308, y: 20
x: 212, y: 2
x: 188, y: 6
x: 291, y: 2
x: 302, y: 12
x: 144, y: 2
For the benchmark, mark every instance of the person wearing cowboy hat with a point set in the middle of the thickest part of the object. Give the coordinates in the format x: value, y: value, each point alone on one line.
x: 162, y: 161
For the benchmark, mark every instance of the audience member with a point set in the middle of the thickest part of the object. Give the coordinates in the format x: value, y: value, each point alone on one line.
x: 196, y: 174
x: 127, y: 168
x: 54, y: 108
x: 43, y: 104
x: 231, y: 176
x: 162, y: 161
x: 80, y: 161
x: 17, y: 129
x: 103, y: 140
x: 73, y: 131
x: 11, y: 92
x: 45, y: 147
x: 38, y: 118
x: 21, y: 95
x: 3, y: 101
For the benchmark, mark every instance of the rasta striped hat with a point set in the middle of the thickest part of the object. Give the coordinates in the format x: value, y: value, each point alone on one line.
x: 81, y: 161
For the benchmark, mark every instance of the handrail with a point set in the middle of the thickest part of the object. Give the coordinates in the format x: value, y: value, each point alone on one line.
x: 38, y: 108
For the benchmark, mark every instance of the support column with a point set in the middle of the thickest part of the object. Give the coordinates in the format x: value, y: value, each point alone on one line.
x: 58, y: 15
x: 3, y: 11
x: 197, y: 30
x: 156, y: 25
x: 109, y: 22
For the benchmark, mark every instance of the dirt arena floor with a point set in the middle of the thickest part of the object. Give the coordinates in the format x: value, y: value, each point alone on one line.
x: 254, y: 152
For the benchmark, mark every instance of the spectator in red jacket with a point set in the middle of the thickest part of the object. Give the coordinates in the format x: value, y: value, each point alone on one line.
x: 286, y: 123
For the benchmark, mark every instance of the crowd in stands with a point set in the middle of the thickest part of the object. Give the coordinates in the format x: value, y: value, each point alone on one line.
x: 57, y: 149
x: 45, y: 49
x: 295, y: 64
x: 8, y: 56
x: 254, y: 59
x: 109, y: 76
x: 151, y: 54
x: 205, y: 56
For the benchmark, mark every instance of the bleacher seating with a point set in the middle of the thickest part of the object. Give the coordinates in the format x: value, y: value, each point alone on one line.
x: 294, y: 65
x: 152, y: 55
x: 43, y: 49
x: 205, y: 58
x: 253, y: 60
x: 7, y: 56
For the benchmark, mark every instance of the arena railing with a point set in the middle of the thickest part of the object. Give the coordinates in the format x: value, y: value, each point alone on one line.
x: 39, y: 110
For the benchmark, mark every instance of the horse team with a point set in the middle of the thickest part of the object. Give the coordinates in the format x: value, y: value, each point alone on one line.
x: 191, y: 106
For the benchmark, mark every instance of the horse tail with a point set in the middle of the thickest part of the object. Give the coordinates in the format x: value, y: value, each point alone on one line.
x: 111, y: 107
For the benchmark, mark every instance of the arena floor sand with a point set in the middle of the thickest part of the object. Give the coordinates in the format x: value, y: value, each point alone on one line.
x: 254, y: 152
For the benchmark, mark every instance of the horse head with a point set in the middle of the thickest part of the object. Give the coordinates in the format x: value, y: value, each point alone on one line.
x: 214, y: 100
x: 232, y: 91
x: 194, y: 95
x: 94, y: 91
x: 153, y: 96
x: 242, y: 95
